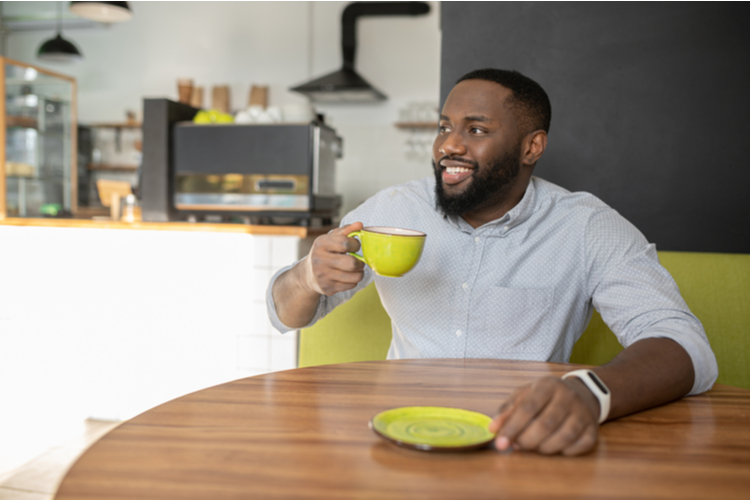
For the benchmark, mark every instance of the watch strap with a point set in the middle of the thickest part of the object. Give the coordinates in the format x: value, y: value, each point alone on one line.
x: 597, y: 387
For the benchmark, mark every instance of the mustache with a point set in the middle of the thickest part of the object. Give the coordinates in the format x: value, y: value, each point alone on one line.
x: 473, y: 164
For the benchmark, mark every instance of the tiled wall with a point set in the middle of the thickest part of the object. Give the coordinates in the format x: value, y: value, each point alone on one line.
x: 261, y: 348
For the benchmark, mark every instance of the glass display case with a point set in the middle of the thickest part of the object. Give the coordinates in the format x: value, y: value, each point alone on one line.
x: 38, y: 153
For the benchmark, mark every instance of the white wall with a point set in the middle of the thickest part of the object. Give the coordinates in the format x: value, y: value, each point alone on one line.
x: 280, y: 44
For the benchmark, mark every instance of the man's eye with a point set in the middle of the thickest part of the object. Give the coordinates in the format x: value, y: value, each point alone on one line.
x: 475, y: 130
x: 442, y: 128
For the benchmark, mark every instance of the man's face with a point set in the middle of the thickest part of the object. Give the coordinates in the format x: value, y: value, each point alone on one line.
x: 476, y: 154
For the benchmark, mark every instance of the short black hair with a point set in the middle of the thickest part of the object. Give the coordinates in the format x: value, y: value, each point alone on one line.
x: 529, y: 101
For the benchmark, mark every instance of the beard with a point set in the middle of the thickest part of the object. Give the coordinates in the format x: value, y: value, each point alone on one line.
x: 488, y: 186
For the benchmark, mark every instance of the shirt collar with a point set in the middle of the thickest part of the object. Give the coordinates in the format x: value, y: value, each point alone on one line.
x: 515, y: 216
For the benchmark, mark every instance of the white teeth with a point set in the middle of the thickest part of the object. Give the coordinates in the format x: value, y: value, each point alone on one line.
x: 456, y: 170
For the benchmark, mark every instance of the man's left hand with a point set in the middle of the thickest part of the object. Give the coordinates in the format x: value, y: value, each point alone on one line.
x: 549, y: 416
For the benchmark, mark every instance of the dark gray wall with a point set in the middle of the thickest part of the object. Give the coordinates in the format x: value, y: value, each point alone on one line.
x: 650, y: 105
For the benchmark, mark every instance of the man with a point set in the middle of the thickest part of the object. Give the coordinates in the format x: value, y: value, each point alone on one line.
x: 512, y: 267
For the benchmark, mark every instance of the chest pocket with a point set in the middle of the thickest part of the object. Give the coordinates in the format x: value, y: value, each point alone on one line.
x: 512, y: 323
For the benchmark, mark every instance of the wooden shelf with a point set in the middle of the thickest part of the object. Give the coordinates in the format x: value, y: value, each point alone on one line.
x: 112, y: 168
x: 21, y: 121
x: 423, y: 125
x: 114, y: 125
x: 89, y: 212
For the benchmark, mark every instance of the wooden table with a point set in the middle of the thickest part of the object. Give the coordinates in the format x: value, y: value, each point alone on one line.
x: 304, y: 434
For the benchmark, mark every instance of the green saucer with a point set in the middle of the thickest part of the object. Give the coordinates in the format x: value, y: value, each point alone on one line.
x: 433, y: 428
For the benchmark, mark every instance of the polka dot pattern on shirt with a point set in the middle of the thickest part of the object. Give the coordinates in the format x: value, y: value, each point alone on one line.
x: 523, y: 286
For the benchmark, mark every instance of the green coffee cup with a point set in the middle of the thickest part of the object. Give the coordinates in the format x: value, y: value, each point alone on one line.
x: 390, y: 251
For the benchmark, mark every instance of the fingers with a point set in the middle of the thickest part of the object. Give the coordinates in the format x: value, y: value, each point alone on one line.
x: 505, y: 409
x: 349, y: 228
x: 547, y: 417
x: 548, y: 422
x: 524, y: 411
x: 330, y: 274
x: 337, y: 241
x: 344, y: 231
x: 325, y: 262
x: 585, y: 442
x: 328, y: 267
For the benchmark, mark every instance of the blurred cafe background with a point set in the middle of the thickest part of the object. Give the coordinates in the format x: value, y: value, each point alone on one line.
x: 113, y: 300
x: 160, y: 161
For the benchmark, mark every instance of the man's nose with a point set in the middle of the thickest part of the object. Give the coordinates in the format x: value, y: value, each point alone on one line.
x: 453, y: 145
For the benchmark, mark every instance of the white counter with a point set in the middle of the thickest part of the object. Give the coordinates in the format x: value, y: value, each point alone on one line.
x: 106, y: 323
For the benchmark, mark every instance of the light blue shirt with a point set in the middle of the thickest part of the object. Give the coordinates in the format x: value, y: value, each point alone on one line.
x: 523, y: 286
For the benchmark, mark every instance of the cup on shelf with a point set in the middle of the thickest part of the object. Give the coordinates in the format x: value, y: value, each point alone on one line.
x: 256, y: 114
x: 128, y: 208
x: 196, y: 99
x: 220, y: 99
x: 298, y: 113
x: 243, y: 117
x: 184, y: 90
x: 114, y: 206
x: 258, y: 96
x: 274, y: 114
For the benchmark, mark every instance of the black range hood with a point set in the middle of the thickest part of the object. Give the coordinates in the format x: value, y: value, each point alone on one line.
x: 345, y: 85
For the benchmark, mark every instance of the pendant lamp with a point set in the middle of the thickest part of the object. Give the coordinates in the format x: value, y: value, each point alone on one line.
x: 59, y: 49
x: 104, y: 12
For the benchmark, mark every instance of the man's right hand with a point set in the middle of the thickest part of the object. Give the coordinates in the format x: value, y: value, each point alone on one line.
x: 328, y: 269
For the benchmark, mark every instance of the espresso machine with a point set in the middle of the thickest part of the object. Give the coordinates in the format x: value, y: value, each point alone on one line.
x: 262, y: 173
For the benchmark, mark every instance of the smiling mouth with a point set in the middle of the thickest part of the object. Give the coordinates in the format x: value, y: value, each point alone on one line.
x: 456, y: 170
x: 454, y: 174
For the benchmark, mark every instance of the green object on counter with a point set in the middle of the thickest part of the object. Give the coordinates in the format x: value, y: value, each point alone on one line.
x: 212, y: 116
x: 51, y: 209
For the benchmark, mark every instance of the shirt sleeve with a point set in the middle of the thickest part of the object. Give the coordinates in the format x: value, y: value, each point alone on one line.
x: 637, y: 296
x: 326, y: 304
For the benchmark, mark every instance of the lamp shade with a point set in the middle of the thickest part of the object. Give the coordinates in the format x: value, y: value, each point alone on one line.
x: 104, y: 12
x: 344, y: 85
x: 59, y: 49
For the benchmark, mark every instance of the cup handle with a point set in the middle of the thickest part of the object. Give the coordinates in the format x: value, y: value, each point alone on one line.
x: 354, y: 235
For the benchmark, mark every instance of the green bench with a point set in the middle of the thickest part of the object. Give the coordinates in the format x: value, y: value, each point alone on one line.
x: 715, y: 286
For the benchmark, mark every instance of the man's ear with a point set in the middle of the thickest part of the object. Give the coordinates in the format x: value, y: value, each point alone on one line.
x: 534, y: 146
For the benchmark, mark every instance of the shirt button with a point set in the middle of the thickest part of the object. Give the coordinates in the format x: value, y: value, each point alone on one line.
x: 476, y: 240
x: 465, y: 286
x: 458, y: 333
x: 506, y: 227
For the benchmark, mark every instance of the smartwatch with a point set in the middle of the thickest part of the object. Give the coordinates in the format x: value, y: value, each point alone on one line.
x: 595, y: 385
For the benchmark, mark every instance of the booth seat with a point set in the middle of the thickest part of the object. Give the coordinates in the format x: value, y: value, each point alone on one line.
x: 715, y: 286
